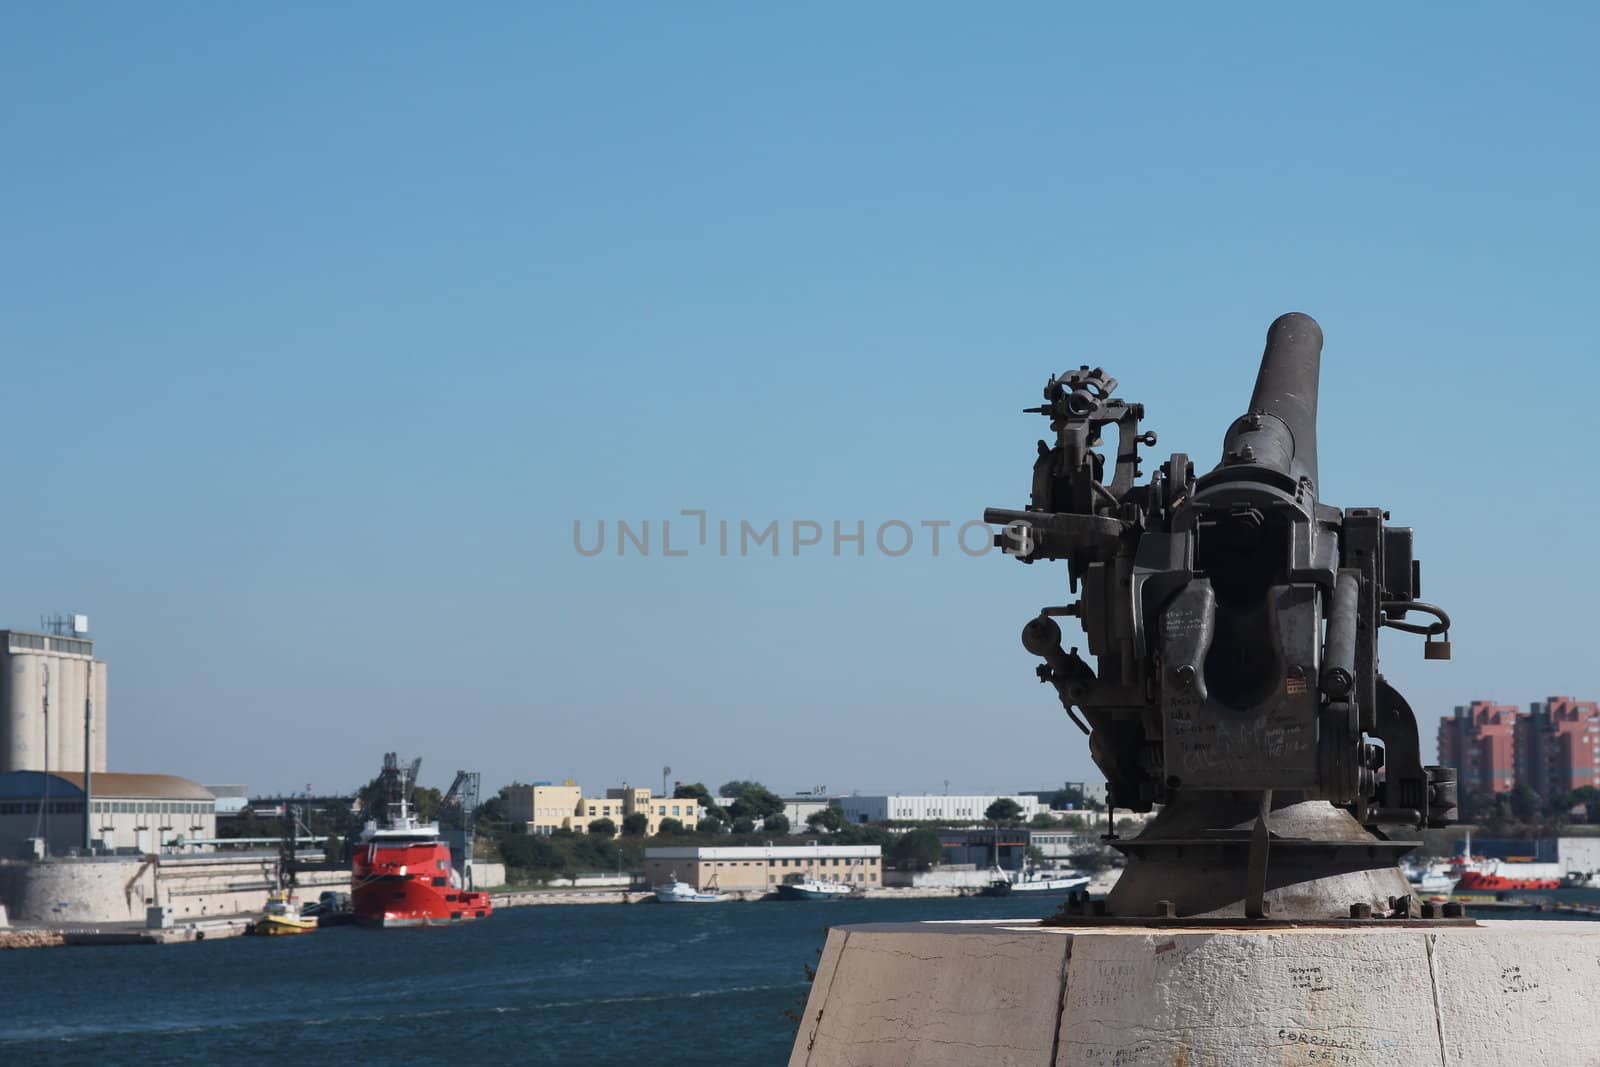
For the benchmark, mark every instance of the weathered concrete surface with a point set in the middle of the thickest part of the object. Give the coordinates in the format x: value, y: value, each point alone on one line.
x: 112, y: 889
x: 934, y: 994
x: 905, y: 994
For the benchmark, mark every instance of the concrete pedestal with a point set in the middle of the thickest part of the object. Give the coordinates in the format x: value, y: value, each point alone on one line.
x: 1523, y: 992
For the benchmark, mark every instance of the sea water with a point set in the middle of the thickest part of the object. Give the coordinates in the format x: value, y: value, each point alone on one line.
x: 642, y: 984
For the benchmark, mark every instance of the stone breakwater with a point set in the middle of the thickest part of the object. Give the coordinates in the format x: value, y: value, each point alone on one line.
x: 31, y: 938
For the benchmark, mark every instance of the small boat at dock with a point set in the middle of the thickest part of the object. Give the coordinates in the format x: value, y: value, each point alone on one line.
x: 814, y: 889
x: 676, y: 892
x: 1430, y: 879
x: 1033, y: 880
x: 282, y: 916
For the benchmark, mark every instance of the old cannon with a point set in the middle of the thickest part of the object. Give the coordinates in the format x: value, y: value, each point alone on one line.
x: 1233, y: 623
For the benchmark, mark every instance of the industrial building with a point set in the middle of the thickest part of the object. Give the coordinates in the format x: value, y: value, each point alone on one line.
x: 50, y: 682
x: 764, y: 868
x: 546, y: 808
x: 907, y: 807
x: 136, y: 841
x: 797, y: 809
x: 131, y: 814
x: 231, y: 799
x: 983, y: 847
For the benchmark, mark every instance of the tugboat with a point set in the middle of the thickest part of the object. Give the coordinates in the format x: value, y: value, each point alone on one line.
x: 401, y: 873
x: 283, y: 913
x: 1477, y: 873
x: 282, y: 916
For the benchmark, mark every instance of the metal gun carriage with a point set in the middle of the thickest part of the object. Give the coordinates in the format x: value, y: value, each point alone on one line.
x: 1233, y: 618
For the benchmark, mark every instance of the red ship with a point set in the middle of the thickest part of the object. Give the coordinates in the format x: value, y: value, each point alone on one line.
x: 1487, y: 875
x: 401, y: 874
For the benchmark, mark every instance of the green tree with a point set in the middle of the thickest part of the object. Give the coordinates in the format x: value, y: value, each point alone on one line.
x: 1003, y: 810
x: 635, y: 825
x: 710, y: 824
x: 751, y: 800
x: 1035, y: 856
x: 670, y: 826
x: 603, y: 828
x: 829, y: 820
x: 494, y: 808
x: 745, y: 825
x: 1090, y: 860
x: 1587, y: 796
x: 1525, y: 803
x: 698, y: 791
x: 917, y: 850
x: 1043, y: 821
x: 776, y: 824
x: 374, y: 800
x: 531, y: 853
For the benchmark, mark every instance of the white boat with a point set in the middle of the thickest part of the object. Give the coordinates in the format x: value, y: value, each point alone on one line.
x: 814, y: 889
x: 1049, y: 882
x: 676, y: 892
x: 1033, y: 880
x: 1434, y: 878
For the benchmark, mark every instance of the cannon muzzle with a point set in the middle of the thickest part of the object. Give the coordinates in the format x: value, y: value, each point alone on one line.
x: 1280, y: 429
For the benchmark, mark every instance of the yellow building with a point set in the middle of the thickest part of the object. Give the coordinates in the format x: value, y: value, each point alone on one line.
x: 763, y: 869
x: 685, y: 809
x: 548, y: 808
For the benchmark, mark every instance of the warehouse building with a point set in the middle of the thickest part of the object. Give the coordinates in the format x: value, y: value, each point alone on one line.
x: 42, y: 814
x: 764, y: 868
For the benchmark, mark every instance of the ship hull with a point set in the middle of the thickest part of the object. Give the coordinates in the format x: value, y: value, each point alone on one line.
x: 803, y: 892
x: 408, y: 883
x: 1472, y: 880
x: 386, y: 922
x: 398, y: 901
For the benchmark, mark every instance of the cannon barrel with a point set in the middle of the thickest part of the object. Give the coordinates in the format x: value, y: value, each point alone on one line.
x: 1280, y: 430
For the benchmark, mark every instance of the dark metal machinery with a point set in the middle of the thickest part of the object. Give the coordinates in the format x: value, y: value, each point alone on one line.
x: 1233, y: 619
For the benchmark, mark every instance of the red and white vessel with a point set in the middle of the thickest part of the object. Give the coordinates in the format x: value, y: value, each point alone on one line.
x: 1480, y: 874
x: 401, y: 874
x: 1486, y: 875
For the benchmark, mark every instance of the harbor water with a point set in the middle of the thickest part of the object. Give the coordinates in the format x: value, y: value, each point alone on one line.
x: 574, y: 985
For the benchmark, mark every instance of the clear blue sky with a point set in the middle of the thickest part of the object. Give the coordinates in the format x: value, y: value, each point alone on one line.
x: 322, y: 325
